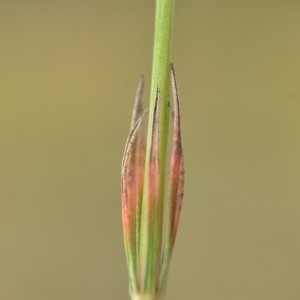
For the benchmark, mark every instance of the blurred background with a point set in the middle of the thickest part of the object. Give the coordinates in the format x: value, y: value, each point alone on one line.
x: 68, y: 74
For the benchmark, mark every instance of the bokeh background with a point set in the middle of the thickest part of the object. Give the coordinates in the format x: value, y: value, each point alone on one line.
x: 68, y: 74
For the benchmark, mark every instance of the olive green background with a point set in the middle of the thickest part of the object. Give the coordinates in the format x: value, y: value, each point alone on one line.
x: 68, y: 74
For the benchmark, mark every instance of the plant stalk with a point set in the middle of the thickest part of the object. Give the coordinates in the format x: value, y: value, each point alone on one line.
x: 151, y: 236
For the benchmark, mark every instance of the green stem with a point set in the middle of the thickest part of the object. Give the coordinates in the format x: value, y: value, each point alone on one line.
x: 151, y: 236
x: 143, y: 297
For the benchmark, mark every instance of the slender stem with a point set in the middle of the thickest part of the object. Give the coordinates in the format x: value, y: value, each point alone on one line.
x: 151, y: 236
x: 143, y: 297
